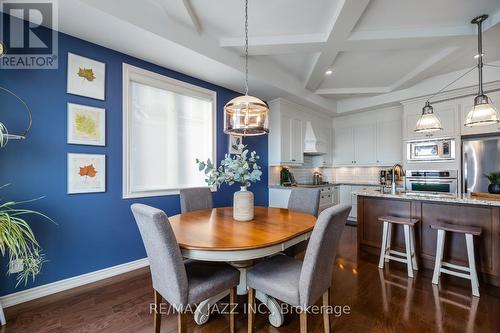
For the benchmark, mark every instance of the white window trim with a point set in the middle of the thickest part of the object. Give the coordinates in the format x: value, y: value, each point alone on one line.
x: 141, y: 75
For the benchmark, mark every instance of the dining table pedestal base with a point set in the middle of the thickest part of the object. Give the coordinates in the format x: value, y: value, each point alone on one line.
x: 276, y: 318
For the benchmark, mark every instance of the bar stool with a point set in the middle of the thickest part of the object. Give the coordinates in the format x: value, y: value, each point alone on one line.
x: 442, y: 267
x: 409, y: 256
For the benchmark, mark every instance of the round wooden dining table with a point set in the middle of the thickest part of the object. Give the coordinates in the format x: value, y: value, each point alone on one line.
x: 213, y: 235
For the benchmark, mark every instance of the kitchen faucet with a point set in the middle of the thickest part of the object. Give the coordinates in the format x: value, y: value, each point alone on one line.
x: 393, y: 185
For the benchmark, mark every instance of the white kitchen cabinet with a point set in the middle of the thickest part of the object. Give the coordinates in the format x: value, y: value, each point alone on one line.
x: 278, y: 197
x: 286, y: 135
x: 297, y: 141
x: 466, y: 105
x: 365, y: 144
x: 378, y: 143
x: 287, y: 129
x: 343, y: 142
x: 345, y: 197
x: 389, y: 142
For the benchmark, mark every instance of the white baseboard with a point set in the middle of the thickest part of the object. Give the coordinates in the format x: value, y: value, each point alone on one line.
x: 73, y: 282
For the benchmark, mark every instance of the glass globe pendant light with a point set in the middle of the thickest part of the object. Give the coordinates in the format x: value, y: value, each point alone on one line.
x: 483, y: 112
x: 428, y: 122
x: 246, y: 115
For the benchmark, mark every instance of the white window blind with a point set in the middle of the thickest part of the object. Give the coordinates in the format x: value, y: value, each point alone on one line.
x: 167, y: 125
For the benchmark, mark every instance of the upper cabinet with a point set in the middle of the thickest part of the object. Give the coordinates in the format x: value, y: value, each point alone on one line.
x: 371, y: 138
x: 343, y: 146
x: 365, y: 144
x: 389, y: 137
x: 447, y: 112
x: 287, y: 127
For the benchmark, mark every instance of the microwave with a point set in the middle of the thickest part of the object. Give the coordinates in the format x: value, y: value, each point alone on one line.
x: 430, y: 150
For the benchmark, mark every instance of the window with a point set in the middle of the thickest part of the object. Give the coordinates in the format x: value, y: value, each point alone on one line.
x: 167, y: 124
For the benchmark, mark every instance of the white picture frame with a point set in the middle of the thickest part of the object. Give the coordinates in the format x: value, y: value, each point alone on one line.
x: 86, y: 125
x: 234, y: 141
x: 86, y: 77
x: 86, y: 173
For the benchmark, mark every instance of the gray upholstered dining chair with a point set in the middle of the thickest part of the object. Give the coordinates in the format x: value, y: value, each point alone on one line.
x: 181, y: 284
x: 195, y: 198
x: 305, y: 200
x: 302, y: 283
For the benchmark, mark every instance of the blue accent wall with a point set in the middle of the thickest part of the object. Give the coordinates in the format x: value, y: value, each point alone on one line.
x: 94, y: 231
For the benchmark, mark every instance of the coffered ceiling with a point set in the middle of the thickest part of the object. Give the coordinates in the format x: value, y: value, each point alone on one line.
x: 372, y: 47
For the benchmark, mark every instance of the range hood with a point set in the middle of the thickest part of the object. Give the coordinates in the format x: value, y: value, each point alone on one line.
x: 312, y: 144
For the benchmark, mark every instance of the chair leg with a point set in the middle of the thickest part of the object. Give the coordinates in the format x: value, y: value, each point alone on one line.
x: 383, y: 247
x: 251, y: 309
x: 232, y: 302
x: 413, y: 251
x: 439, y: 256
x: 303, y: 322
x: 181, y: 322
x: 326, y: 314
x: 389, y: 240
x: 157, y: 314
x: 409, y: 264
x: 472, y: 264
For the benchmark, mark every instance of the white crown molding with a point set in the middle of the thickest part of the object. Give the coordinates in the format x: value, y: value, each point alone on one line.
x: 73, y: 282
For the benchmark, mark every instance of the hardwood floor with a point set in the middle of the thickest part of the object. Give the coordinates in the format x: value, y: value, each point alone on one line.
x: 379, y: 301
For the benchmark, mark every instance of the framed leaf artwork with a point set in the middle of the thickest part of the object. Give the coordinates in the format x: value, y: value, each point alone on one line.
x: 86, y: 125
x: 86, y: 77
x: 86, y: 173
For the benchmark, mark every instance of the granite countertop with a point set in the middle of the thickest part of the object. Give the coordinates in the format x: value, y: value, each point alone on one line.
x: 457, y: 199
x: 327, y: 185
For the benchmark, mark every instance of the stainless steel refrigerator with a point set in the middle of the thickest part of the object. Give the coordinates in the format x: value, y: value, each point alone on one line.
x: 480, y: 155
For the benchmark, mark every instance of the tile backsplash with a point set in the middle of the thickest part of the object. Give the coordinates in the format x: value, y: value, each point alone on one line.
x: 304, y: 174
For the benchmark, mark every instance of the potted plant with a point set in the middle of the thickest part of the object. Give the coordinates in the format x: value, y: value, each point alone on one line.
x: 18, y: 240
x: 241, y: 169
x: 494, y: 178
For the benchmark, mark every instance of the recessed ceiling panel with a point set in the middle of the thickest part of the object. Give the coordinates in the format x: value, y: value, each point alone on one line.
x: 374, y: 68
x: 299, y: 65
x: 225, y: 18
x: 424, y: 14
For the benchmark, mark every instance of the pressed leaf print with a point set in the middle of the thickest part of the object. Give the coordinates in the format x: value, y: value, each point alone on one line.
x: 86, y: 73
x: 88, y: 171
x: 85, y: 125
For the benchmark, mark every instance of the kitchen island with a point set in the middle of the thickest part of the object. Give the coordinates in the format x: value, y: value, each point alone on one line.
x: 429, y: 209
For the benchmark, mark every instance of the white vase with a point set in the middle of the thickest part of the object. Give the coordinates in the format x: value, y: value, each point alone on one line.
x: 243, y: 205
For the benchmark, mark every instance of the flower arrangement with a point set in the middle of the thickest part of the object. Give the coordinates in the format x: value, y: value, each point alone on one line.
x: 242, y: 169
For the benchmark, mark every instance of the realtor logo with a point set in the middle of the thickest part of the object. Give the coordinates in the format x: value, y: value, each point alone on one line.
x: 29, y: 34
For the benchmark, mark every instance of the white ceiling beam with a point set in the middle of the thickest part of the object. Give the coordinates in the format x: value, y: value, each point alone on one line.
x: 353, y: 91
x: 192, y: 15
x: 345, y: 17
x: 282, y: 44
x: 395, y: 34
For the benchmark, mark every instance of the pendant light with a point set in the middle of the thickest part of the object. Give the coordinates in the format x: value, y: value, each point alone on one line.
x: 246, y: 115
x: 483, y: 112
x: 428, y: 121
